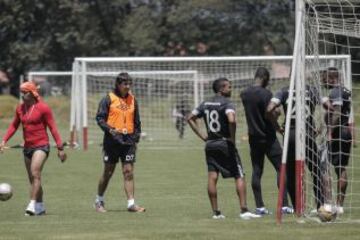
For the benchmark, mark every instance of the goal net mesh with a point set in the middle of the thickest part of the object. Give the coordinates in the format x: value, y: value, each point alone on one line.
x: 168, y: 89
x: 333, y: 28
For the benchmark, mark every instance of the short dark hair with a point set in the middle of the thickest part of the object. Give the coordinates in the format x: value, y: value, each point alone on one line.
x: 218, y: 84
x: 122, y: 77
x: 262, y: 73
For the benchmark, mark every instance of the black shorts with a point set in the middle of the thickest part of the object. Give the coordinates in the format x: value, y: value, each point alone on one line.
x: 113, y: 153
x: 340, y: 147
x: 223, y: 157
x: 29, y: 152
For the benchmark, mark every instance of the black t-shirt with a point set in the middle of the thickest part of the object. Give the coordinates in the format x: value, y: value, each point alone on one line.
x: 312, y: 99
x: 214, y: 111
x: 341, y: 96
x: 255, y: 100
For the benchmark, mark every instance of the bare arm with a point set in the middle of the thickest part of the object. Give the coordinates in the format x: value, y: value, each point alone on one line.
x: 192, y: 120
x: 332, y: 116
x: 334, y: 120
x: 272, y: 114
x: 232, y: 125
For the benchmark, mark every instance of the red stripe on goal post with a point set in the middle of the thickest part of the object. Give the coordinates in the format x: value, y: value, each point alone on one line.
x: 300, y: 191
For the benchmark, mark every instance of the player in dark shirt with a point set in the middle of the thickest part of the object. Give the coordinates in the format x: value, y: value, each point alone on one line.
x: 339, y: 134
x: 222, y: 157
x: 181, y: 111
x: 312, y: 154
x: 262, y: 136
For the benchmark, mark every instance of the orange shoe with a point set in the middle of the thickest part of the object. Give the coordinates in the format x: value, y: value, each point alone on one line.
x: 100, y: 207
x: 136, y: 208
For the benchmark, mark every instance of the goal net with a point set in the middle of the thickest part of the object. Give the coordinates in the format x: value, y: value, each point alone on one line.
x: 167, y: 89
x: 326, y: 155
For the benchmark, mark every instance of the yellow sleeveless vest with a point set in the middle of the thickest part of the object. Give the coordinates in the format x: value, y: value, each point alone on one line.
x: 121, y: 113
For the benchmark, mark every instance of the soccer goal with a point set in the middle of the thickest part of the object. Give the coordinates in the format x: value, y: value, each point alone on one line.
x: 160, y: 83
x: 324, y: 28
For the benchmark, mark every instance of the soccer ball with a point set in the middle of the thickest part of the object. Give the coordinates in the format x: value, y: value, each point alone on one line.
x: 326, y: 216
x: 5, y: 191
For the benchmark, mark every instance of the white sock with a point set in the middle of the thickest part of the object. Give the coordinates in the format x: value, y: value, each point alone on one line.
x: 130, y: 202
x: 99, y: 198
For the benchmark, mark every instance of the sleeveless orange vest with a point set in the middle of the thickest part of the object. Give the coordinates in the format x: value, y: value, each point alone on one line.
x: 121, y: 113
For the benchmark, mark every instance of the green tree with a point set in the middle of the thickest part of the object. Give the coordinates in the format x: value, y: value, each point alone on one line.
x: 49, y: 34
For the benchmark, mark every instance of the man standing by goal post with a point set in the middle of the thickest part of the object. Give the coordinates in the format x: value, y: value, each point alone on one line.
x: 118, y: 116
x: 262, y: 136
x: 221, y: 154
x: 312, y: 99
x: 338, y: 105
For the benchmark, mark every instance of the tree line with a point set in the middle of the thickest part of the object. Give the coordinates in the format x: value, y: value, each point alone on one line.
x: 49, y: 34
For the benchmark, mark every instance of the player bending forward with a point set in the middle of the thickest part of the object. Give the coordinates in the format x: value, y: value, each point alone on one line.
x: 221, y: 154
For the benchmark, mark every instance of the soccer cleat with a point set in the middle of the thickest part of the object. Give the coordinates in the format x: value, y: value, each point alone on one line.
x: 248, y: 215
x: 39, y: 209
x: 287, y: 210
x: 42, y: 212
x: 218, y: 215
x: 136, y: 208
x: 30, y: 210
x: 262, y: 211
x: 100, y: 207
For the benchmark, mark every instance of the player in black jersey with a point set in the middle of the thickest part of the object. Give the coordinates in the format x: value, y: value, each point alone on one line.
x: 339, y: 133
x: 311, y: 150
x: 262, y: 136
x: 221, y: 154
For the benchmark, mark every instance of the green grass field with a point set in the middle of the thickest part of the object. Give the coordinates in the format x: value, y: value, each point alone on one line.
x: 170, y: 183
